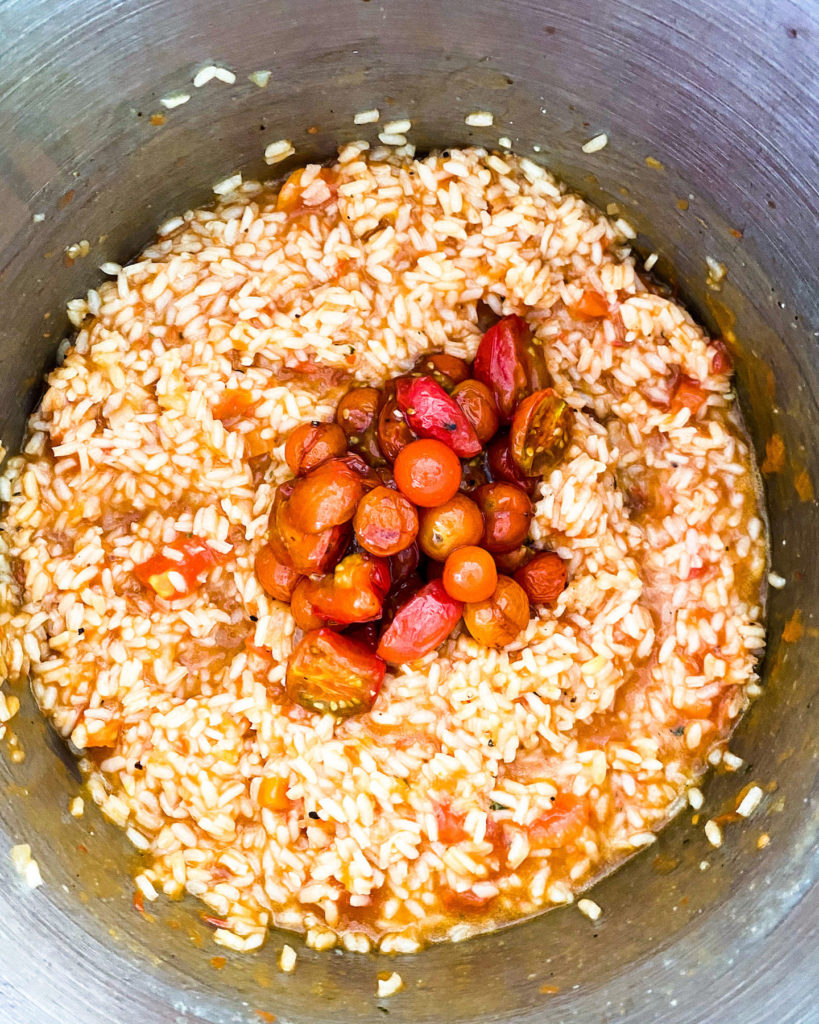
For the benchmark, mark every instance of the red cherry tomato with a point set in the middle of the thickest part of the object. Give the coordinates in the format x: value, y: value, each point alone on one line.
x: 543, y: 578
x: 478, y: 405
x: 393, y: 432
x: 385, y: 522
x: 354, y: 592
x: 421, y: 625
x: 310, y: 444
x: 174, y: 570
x: 276, y: 578
x: 510, y: 364
x: 540, y: 433
x: 428, y: 472
x: 470, y: 574
x: 507, y: 512
x: 330, y: 673
x: 326, y: 497
x: 445, y: 369
x: 365, y: 633
x: 501, y: 618
x: 431, y: 412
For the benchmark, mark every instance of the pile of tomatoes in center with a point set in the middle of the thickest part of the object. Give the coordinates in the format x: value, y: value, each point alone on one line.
x: 411, y: 513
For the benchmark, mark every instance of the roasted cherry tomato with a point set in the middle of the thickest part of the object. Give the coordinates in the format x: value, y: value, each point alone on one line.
x: 365, y: 633
x: 478, y: 405
x: 564, y: 821
x: 431, y: 412
x: 174, y: 570
x: 353, y: 592
x: 592, y: 305
x: 328, y: 496
x: 543, y: 578
x: 301, y: 607
x: 385, y: 522
x: 541, y: 431
x: 305, y: 552
x: 508, y: 562
x: 428, y: 472
x: 475, y: 472
x: 357, y: 415
x: 310, y: 444
x: 689, y: 394
x: 299, y: 196
x: 233, y: 403
x: 276, y: 578
x: 502, y: 466
x: 446, y: 370
x: 398, y: 596
x: 272, y: 793
x: 405, y: 563
x: 454, y: 524
x: 507, y: 512
x: 501, y: 618
x: 394, y: 433
x: 470, y: 574
x: 421, y: 625
x: 510, y: 364
x: 330, y: 673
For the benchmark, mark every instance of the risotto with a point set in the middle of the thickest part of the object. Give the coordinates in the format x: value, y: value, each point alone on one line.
x: 156, y: 602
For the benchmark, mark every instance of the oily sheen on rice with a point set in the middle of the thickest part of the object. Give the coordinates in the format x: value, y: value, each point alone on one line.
x: 611, y: 700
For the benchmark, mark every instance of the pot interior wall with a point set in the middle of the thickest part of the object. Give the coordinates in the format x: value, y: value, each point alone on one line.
x: 720, y: 97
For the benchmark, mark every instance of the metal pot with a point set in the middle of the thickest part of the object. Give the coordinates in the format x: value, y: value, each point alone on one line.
x: 720, y: 97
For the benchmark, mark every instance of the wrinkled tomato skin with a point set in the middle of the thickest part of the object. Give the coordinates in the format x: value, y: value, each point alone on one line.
x: 331, y: 673
x: 432, y: 413
x: 326, y: 497
x: 357, y: 415
x: 510, y: 364
x: 421, y: 625
x: 540, y: 433
x: 405, y: 563
x: 394, y: 433
x: 543, y: 578
x: 385, y: 522
x: 503, y: 468
x: 477, y: 404
x: 445, y: 369
x: 507, y: 512
x: 307, y: 553
x: 276, y: 578
x: 456, y: 523
x: 310, y: 444
x: 353, y: 592
x: 501, y: 618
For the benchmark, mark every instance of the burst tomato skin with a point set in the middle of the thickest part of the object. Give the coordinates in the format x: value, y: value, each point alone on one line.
x: 393, y: 432
x: 306, y: 553
x: 357, y: 415
x: 332, y: 673
x: 421, y: 625
x: 173, y: 571
x: 353, y: 592
x: 510, y: 364
x: 501, y: 618
x: 502, y: 467
x: 431, y: 412
x: 385, y: 522
x: 507, y: 512
x: 445, y: 369
x: 326, y: 497
x: 543, y: 577
x: 540, y: 433
x: 310, y: 444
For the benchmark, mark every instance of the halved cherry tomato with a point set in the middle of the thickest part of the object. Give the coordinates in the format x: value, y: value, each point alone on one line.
x: 428, y: 472
x: 330, y: 673
x: 305, y: 552
x: 592, y: 305
x: 357, y: 415
x: 272, y: 793
x: 689, y: 393
x: 385, y: 522
x: 405, y: 563
x: 477, y: 404
x: 445, y: 369
x: 394, y: 433
x: 507, y: 512
x: 353, y: 592
x: 431, y: 412
x: 310, y: 444
x: 454, y: 524
x: 543, y: 578
x: 510, y: 364
x: 301, y: 607
x: 540, y: 433
x: 502, y: 466
x: 295, y: 197
x: 233, y: 402
x: 470, y: 574
x: 421, y: 625
x: 501, y: 618
x: 328, y: 496
x: 509, y: 562
x: 173, y: 571
x: 563, y: 822
x: 276, y: 578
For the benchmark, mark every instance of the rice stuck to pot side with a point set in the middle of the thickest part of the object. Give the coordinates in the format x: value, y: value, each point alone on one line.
x: 558, y: 755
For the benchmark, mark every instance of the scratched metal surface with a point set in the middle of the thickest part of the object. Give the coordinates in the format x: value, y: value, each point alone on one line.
x: 723, y: 95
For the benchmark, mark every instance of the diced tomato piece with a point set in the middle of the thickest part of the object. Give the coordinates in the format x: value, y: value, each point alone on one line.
x: 690, y: 394
x: 421, y: 625
x: 563, y: 822
x: 173, y: 572
x: 541, y: 431
x: 273, y: 793
x: 354, y: 592
x: 450, y: 825
x: 431, y: 412
x: 592, y: 305
x: 233, y: 402
x: 330, y: 673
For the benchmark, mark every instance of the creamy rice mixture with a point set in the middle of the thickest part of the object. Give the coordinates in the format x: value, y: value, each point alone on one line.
x: 484, y: 784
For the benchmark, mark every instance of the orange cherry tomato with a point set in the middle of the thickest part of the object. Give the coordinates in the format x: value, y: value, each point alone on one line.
x: 507, y: 512
x: 272, y: 793
x: 478, y: 405
x: 470, y: 574
x: 328, y: 496
x: 592, y: 305
x: 454, y: 524
x: 541, y: 431
x: 310, y: 444
x: 428, y: 472
x: 543, y: 578
x: 276, y: 578
x: 305, y: 552
x: 354, y: 592
x: 357, y: 415
x: 331, y: 673
x: 385, y: 522
x: 421, y: 625
x: 445, y: 369
x: 301, y: 607
x: 501, y: 618
x: 174, y: 570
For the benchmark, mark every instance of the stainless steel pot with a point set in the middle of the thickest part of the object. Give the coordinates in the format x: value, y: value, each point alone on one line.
x: 723, y: 96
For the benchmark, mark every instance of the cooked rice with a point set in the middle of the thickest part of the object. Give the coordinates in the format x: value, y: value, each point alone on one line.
x: 617, y: 695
